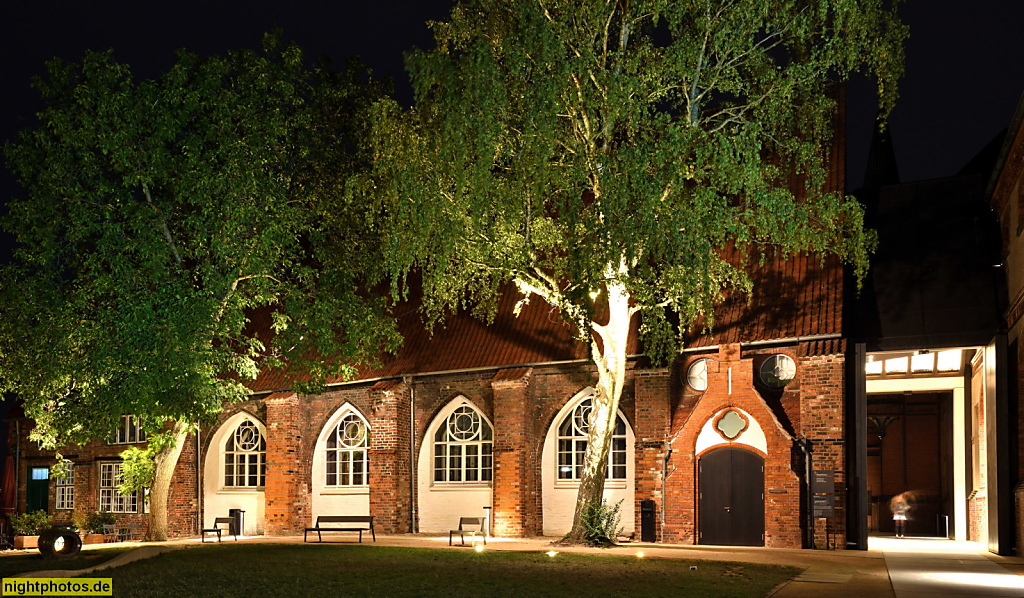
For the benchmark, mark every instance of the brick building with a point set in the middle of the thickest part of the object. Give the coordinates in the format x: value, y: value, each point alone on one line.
x: 804, y: 380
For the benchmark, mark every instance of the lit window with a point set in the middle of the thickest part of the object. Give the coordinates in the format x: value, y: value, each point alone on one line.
x: 128, y: 432
x: 572, y: 444
x: 922, y: 363
x: 346, y: 453
x: 897, y: 365
x: 462, y: 448
x: 110, y: 500
x: 873, y: 368
x: 245, y: 457
x: 64, y: 474
x: 949, y: 361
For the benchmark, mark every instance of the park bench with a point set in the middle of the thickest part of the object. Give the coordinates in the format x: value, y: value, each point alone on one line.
x: 346, y: 525
x: 131, y: 531
x: 109, y: 533
x: 470, y: 525
x: 216, y: 529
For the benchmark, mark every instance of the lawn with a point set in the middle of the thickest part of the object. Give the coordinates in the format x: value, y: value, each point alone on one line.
x: 346, y: 570
x: 11, y: 565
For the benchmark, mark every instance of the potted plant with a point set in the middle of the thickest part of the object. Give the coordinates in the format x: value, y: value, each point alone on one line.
x: 28, y: 526
x: 93, y: 526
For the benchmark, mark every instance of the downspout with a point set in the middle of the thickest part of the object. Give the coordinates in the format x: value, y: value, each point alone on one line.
x: 412, y: 453
x: 805, y: 446
x: 664, y: 477
x: 199, y: 483
x: 17, y: 461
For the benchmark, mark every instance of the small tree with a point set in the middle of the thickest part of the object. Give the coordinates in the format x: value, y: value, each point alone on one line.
x: 603, y: 154
x: 158, y: 216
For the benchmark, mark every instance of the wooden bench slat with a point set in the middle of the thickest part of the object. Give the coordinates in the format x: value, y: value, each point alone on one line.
x: 328, y: 519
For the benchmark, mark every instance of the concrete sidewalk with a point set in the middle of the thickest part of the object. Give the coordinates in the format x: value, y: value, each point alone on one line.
x: 900, y: 568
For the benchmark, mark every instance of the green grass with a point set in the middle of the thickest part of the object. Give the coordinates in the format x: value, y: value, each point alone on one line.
x: 296, y: 570
x: 23, y: 563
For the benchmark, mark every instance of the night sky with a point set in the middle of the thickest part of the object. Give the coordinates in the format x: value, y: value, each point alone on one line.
x: 965, y: 60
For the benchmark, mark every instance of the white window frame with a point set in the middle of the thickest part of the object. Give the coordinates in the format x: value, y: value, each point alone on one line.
x: 350, y: 452
x: 239, y: 449
x: 571, y: 445
x: 453, y: 434
x: 64, y: 486
x: 110, y: 500
x: 128, y: 431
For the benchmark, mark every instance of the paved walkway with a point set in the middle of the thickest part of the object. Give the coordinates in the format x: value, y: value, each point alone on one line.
x: 932, y: 568
x: 897, y: 568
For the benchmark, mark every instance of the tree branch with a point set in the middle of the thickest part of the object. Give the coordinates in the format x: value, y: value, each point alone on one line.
x: 163, y: 224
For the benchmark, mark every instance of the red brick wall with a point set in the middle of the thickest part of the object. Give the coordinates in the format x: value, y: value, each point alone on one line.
x: 822, y: 417
x: 390, y: 468
x: 182, y: 515
x: 782, y: 486
x: 287, y: 488
x: 977, y: 518
x: 514, y: 488
x: 653, y: 418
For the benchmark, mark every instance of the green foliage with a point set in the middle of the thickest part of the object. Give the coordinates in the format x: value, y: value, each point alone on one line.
x: 159, y: 216
x: 601, y: 523
x: 139, y: 464
x: 95, y: 521
x: 553, y: 142
x: 30, y: 524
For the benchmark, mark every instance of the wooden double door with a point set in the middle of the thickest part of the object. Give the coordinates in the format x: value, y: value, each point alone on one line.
x: 731, y: 498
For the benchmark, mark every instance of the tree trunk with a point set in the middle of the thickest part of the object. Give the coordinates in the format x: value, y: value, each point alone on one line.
x: 611, y: 366
x: 166, y: 461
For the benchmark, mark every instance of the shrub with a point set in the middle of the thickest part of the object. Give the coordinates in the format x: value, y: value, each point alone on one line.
x: 95, y: 521
x: 601, y: 523
x: 30, y: 524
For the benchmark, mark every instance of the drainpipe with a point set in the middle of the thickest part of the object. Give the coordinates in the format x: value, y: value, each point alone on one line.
x: 664, y: 475
x: 17, y: 461
x: 805, y: 446
x: 199, y: 483
x: 412, y: 453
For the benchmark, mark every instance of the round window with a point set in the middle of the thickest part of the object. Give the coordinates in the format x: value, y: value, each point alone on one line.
x: 697, y: 375
x: 777, y: 371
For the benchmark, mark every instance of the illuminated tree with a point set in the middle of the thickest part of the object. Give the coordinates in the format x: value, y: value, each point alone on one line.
x: 602, y: 154
x: 158, y: 215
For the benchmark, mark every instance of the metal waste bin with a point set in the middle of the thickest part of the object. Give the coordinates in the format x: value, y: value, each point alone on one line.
x: 238, y: 519
x: 647, y: 521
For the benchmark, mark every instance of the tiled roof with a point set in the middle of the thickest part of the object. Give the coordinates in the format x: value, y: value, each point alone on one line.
x: 461, y: 342
x: 798, y: 296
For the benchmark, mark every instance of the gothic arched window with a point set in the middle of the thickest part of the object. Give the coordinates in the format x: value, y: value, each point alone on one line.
x: 346, y: 452
x: 462, y: 448
x: 245, y: 457
x: 572, y: 444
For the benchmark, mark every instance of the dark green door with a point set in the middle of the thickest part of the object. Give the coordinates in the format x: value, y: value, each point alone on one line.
x: 38, y: 492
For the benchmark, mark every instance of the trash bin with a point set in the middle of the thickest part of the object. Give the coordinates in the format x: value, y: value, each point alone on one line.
x: 942, y: 526
x: 647, y: 521
x: 238, y: 516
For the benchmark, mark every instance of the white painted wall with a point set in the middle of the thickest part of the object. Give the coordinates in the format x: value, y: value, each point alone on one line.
x: 560, y: 496
x: 442, y: 504
x: 753, y: 436
x: 216, y: 498
x: 336, y: 500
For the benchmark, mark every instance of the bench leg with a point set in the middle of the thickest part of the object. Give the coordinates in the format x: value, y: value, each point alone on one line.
x: 360, y: 536
x: 373, y: 533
